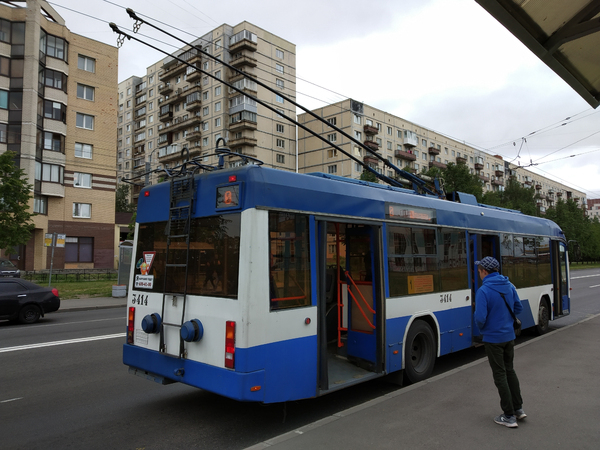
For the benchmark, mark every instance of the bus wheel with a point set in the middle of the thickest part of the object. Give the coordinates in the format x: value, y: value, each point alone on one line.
x: 543, y: 318
x: 419, y: 353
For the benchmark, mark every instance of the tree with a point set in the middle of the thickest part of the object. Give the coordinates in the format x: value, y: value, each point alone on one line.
x: 15, y: 192
x: 122, y: 199
x: 514, y: 196
x: 457, y: 177
x: 367, y: 175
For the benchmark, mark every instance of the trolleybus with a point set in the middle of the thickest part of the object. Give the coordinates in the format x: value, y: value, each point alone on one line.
x: 264, y: 285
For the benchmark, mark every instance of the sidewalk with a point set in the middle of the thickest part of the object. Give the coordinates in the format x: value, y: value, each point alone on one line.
x: 560, y: 382
x: 84, y: 304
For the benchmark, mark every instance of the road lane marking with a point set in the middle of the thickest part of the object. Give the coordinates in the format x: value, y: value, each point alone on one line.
x: 11, y: 400
x: 597, y: 285
x: 52, y: 344
x: 585, y: 276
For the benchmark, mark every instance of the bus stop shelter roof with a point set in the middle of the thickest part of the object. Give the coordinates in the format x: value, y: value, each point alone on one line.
x: 563, y: 34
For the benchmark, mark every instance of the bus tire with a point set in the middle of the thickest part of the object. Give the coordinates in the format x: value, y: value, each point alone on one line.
x: 543, y: 318
x: 419, y: 353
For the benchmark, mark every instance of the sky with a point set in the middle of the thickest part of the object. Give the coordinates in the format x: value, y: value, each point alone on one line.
x: 446, y: 65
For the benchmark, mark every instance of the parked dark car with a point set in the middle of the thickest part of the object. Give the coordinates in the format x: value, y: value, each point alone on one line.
x: 8, y: 269
x: 26, y: 302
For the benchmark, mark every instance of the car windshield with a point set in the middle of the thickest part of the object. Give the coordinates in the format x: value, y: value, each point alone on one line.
x: 5, y: 263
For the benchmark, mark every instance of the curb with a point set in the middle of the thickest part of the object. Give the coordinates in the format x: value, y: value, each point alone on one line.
x: 88, y: 308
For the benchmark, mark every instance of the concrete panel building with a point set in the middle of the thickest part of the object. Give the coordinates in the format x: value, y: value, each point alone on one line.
x: 410, y: 147
x: 174, y: 106
x: 60, y: 119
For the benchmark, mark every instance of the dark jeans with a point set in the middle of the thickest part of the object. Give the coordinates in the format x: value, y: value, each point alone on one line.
x: 501, y: 358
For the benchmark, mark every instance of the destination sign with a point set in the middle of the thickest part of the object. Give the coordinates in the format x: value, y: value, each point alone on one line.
x: 407, y: 212
x: 228, y: 196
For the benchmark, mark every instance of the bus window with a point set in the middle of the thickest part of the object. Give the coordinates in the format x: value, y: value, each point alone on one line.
x: 453, y: 260
x: 289, y: 260
x: 213, y: 260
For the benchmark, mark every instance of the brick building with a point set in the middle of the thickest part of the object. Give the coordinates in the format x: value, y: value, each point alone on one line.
x: 61, y: 122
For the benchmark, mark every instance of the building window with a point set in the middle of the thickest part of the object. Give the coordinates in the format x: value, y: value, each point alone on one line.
x: 280, y: 128
x: 217, y: 75
x: 87, y: 93
x: 54, y: 142
x: 54, y: 79
x: 84, y: 121
x: 79, y: 249
x: 357, y: 135
x: 52, y: 173
x: 217, y: 91
x: 217, y: 122
x: 332, y: 137
x: 280, y: 84
x: 389, y: 131
x: 279, y: 98
x: 82, y: 210
x: 357, y: 119
x: 332, y: 153
x: 280, y: 143
x: 86, y: 63
x: 205, y: 111
x: 56, y: 47
x: 281, y: 159
x: 217, y: 106
x: 332, y: 169
x: 40, y: 204
x: 332, y: 121
x: 55, y: 111
x: 279, y: 53
x: 82, y: 180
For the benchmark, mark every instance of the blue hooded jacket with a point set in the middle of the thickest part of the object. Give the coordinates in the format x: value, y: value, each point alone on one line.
x: 491, y: 314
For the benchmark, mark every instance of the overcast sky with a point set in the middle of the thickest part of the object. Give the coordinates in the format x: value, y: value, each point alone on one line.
x: 446, y: 65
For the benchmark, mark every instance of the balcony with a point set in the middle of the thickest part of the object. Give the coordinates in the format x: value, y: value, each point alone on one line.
x: 372, y: 145
x: 461, y: 160
x: 242, y: 141
x: 369, y: 159
x: 172, y: 70
x: 179, y: 123
x: 242, y: 125
x: 193, y: 76
x: 243, y: 44
x: 484, y: 178
x: 499, y: 173
x: 433, y: 151
x: 370, y: 129
x: 241, y: 59
x: 408, y: 156
x: 559, y: 194
x: 437, y: 164
x: 538, y: 186
x: 498, y: 182
x: 166, y: 115
x: 194, y: 135
x: 165, y: 88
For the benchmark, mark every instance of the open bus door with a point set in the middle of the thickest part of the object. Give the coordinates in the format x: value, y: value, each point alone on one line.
x: 560, y: 276
x: 480, y: 246
x: 350, y: 303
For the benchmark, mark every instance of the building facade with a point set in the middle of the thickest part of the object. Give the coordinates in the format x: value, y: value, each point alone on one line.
x: 409, y: 147
x: 593, y: 208
x: 175, y: 107
x: 59, y: 116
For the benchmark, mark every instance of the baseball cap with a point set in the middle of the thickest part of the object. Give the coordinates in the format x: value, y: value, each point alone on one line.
x: 489, y: 263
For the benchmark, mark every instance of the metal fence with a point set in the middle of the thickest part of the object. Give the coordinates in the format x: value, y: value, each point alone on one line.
x: 71, y: 275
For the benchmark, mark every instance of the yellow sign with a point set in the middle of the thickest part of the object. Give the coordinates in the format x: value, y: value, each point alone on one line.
x: 420, y: 284
x: 48, y: 240
x: 60, y: 240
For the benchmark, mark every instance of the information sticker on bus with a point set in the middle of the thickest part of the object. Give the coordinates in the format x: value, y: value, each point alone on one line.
x: 144, y: 281
x: 407, y: 212
x: 420, y: 284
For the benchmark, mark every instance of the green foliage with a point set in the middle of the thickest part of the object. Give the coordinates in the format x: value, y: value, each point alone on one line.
x: 122, y: 199
x: 514, y: 196
x: 131, y: 226
x: 369, y: 176
x: 458, y: 177
x: 15, y: 192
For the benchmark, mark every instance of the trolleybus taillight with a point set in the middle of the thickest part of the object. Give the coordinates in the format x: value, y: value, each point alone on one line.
x: 229, y: 344
x: 130, y: 320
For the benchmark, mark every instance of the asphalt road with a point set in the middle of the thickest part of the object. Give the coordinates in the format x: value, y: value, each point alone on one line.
x: 63, y: 385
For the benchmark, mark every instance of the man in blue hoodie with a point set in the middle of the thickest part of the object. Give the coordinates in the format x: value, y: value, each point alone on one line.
x: 496, y: 325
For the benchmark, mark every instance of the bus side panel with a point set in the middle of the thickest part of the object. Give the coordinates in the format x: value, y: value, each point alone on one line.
x: 394, y: 339
x: 290, y: 368
x: 455, y: 329
x: 228, y: 383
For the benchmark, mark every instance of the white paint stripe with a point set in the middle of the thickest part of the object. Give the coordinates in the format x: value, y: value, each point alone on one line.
x: 597, y: 285
x: 585, y: 276
x: 11, y: 400
x: 52, y: 344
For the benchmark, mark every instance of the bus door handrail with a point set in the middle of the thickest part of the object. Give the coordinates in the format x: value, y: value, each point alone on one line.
x: 363, y: 299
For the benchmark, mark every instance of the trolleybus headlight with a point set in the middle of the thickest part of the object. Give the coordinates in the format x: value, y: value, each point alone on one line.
x: 151, y: 323
x: 192, y: 331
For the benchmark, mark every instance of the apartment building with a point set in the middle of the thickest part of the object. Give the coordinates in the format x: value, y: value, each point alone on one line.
x: 409, y: 147
x: 58, y: 112
x: 593, y: 208
x: 175, y: 107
